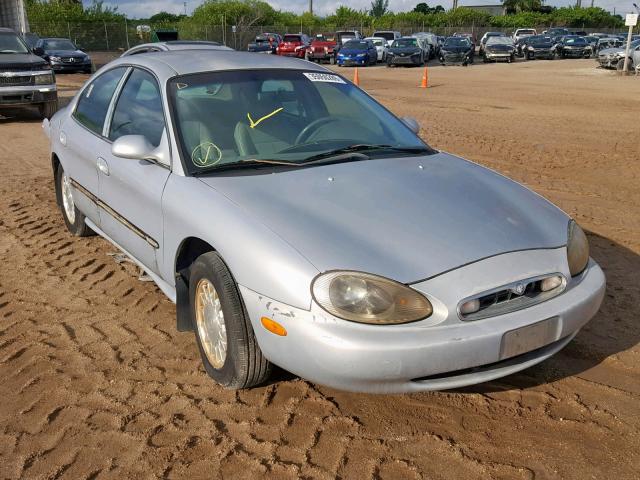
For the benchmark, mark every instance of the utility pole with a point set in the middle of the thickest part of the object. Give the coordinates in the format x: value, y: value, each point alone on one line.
x: 185, y: 8
x: 455, y: 4
x: 579, y: 4
x: 311, y: 7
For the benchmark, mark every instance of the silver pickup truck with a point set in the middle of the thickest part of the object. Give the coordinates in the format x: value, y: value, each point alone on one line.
x: 25, y: 78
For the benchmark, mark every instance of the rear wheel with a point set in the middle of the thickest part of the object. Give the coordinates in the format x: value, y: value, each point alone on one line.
x: 73, y: 218
x: 226, y: 341
x: 47, y: 109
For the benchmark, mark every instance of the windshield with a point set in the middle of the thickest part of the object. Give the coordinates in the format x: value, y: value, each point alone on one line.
x: 456, y: 42
x: 575, y: 41
x: 499, y: 41
x: 58, y: 44
x: 355, y: 45
x: 405, y: 42
x: 526, y: 32
x: 539, y: 39
x: 225, y: 118
x: 378, y: 42
x: 291, y: 38
x: 386, y: 35
x: 11, y: 43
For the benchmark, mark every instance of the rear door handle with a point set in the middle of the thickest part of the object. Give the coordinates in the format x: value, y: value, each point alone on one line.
x: 103, y: 166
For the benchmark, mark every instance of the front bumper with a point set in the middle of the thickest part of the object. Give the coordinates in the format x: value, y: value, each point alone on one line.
x: 298, y: 54
x: 608, y: 62
x: 352, y: 61
x: 10, y: 96
x: 498, y: 55
x: 440, y: 352
x: 576, y: 53
x: 541, y: 53
x: 454, y: 58
x: 67, y: 67
x: 399, y: 60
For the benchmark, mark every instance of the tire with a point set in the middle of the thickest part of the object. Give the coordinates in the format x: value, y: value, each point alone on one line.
x: 47, y: 109
x: 243, y: 365
x: 73, y: 218
x: 620, y: 65
x: 332, y: 60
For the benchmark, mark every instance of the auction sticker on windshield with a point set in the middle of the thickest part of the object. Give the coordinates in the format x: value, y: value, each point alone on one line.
x: 323, y: 77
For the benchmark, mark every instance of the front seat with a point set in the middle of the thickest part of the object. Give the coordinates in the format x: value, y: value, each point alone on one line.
x: 267, y: 135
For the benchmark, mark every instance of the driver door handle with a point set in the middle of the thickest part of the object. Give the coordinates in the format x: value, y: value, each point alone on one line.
x: 103, y: 166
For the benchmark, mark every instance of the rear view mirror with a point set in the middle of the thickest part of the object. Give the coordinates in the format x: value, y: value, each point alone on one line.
x: 412, y: 123
x: 39, y: 51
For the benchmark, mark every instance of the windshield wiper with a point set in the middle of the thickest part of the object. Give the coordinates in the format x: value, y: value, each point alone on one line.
x: 249, y: 163
x: 340, y: 153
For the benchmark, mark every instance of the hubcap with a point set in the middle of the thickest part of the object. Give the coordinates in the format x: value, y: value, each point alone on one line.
x: 67, y: 199
x: 210, y: 323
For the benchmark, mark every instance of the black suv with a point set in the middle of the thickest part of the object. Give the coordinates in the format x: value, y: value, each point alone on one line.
x: 25, y: 78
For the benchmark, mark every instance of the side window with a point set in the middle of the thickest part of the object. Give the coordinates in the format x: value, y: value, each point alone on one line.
x: 94, y: 102
x: 139, y: 109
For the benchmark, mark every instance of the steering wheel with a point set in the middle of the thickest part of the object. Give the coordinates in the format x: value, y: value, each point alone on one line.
x: 307, y: 131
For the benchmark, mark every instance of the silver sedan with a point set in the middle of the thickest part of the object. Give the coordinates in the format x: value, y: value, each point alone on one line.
x: 295, y: 221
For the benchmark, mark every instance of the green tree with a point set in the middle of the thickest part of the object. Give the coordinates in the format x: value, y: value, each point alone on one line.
x: 427, y: 10
x: 379, y: 8
x: 166, y: 17
x: 514, y: 6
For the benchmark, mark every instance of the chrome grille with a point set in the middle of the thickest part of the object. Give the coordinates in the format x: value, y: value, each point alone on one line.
x: 16, y: 81
x: 512, y: 297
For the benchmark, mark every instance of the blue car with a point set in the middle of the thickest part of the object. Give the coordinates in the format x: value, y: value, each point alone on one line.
x: 357, y: 53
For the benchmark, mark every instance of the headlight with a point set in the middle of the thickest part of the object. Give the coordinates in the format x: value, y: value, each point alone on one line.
x: 55, y: 59
x: 365, y: 298
x: 577, y: 249
x: 46, y: 79
x: 529, y: 48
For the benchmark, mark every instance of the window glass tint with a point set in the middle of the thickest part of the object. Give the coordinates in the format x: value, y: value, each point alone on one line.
x: 94, y: 101
x: 139, y: 109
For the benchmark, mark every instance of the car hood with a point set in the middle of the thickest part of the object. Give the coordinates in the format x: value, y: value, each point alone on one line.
x: 26, y: 59
x: 607, y: 51
x: 392, y: 218
x: 352, y: 51
x: 65, y: 53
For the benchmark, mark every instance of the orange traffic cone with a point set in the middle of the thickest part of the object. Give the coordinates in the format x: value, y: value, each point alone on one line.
x: 356, y: 78
x: 425, y: 78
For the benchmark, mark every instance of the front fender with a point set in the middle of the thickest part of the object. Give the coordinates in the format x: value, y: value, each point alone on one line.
x: 258, y: 257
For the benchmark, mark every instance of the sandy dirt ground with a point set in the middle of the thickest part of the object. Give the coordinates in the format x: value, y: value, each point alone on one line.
x: 96, y: 383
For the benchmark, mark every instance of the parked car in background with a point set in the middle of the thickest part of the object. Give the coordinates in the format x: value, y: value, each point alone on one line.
x: 381, y: 47
x: 523, y: 32
x: 485, y: 37
x: 573, y: 47
x: 609, y: 42
x: 31, y: 39
x: 25, y: 78
x: 265, y: 43
x: 171, y: 45
x: 63, y: 55
x: 557, y: 33
x: 499, y: 48
x: 424, y: 44
x: 389, y: 35
x: 322, y: 49
x: 433, y: 41
x: 294, y: 45
x: 257, y: 208
x: 520, y: 44
x: 406, y: 51
x: 470, y: 37
x: 457, y: 50
x: 343, y: 36
x: 593, y: 43
x: 357, y: 53
x: 614, y: 57
x: 539, y: 46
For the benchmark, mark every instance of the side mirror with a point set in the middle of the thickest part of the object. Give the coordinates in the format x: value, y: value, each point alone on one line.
x: 412, y: 123
x: 137, y: 147
x: 39, y: 51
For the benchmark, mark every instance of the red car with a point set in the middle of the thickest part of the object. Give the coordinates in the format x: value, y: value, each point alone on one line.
x: 322, y: 48
x: 294, y: 45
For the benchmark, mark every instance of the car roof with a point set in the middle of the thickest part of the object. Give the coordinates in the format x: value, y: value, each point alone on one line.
x: 7, y: 30
x: 55, y: 38
x: 173, y: 45
x: 167, y: 64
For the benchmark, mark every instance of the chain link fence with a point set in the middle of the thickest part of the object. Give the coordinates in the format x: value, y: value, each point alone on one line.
x: 102, y: 36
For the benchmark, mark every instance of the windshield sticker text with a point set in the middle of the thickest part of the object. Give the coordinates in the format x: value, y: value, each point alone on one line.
x: 323, y: 77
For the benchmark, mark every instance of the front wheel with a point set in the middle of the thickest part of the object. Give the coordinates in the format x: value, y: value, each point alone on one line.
x: 226, y: 340
x: 332, y: 60
x: 73, y: 218
x: 48, y: 109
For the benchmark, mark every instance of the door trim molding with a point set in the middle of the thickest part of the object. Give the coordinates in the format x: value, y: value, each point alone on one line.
x: 95, y: 199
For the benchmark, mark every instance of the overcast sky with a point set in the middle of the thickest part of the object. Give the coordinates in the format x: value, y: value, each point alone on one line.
x: 142, y: 8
